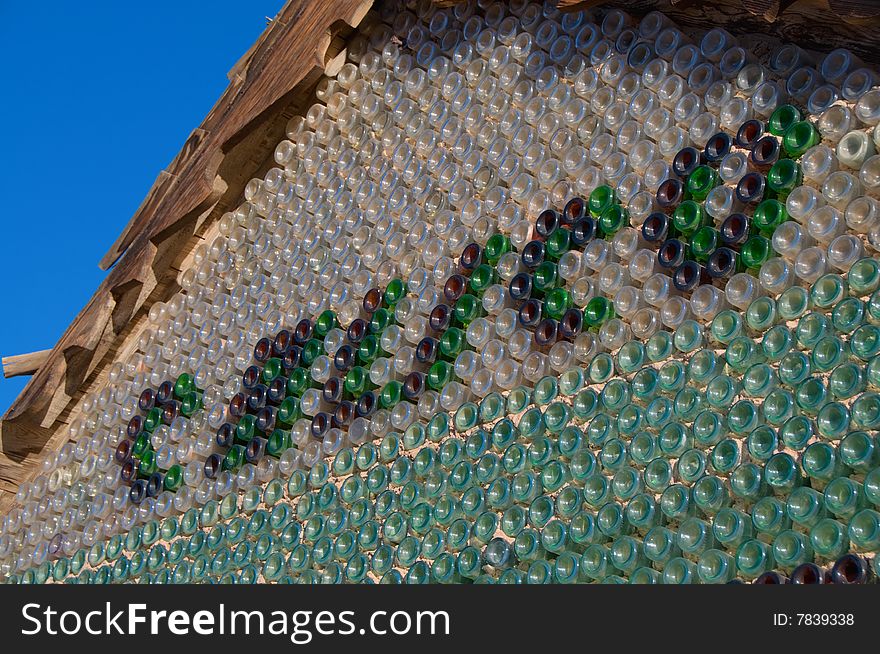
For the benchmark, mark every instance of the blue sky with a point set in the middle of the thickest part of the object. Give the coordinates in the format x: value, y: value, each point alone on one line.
x: 97, y: 98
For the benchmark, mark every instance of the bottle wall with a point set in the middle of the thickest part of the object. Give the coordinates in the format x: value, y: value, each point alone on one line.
x: 528, y: 297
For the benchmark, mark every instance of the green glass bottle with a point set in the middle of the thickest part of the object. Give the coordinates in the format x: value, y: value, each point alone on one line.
x: 783, y: 177
x: 864, y: 276
x: 380, y: 319
x: 325, y: 322
x: 395, y: 290
x: 482, y: 278
x: 598, y: 310
x: 545, y: 278
x: 755, y: 252
x: 688, y: 217
x: 467, y: 309
x: 793, y: 303
x: 800, y: 137
x: 791, y: 548
x: 806, y: 507
x: 311, y: 351
x: 782, y: 118
x: 184, y: 385
x: 497, y: 246
x: 558, y: 243
x: 716, y: 567
x: 601, y: 199
x: 704, y: 242
x: 753, y: 558
x: 612, y: 220
x: 829, y: 538
x: 702, y: 180
x: 768, y: 216
x: 557, y: 302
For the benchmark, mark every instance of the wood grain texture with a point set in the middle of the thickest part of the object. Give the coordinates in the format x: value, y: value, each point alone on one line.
x: 820, y: 25
x: 24, y: 364
x: 205, y: 179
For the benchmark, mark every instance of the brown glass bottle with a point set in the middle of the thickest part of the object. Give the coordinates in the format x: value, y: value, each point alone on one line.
x: 571, y: 324
x: 263, y: 350
x: 546, y: 222
x: 689, y: 275
x: 749, y: 133
x: 454, y: 288
x: 212, y: 466
x: 372, y: 301
x: 333, y: 390
x: 266, y: 418
x: 546, y: 332
x: 471, y: 257
x: 277, y: 391
x: 771, y: 578
x: 852, y: 569
x: 427, y: 349
x: 655, y: 229
x: 533, y: 254
x: 291, y: 358
x: 765, y: 152
x: 135, y: 427
x: 670, y: 194
x: 686, y: 161
x: 807, y: 573
x: 147, y: 400
x: 530, y: 313
x: 367, y: 404
x: 170, y: 411
x: 574, y: 210
x: 123, y: 451
x: 344, y: 414
x: 717, y: 147
x: 735, y: 229
x: 414, y: 386
x: 138, y: 492
x: 583, y: 231
x: 440, y: 318
x: 344, y: 359
x: 357, y: 330
x: 520, y: 287
x: 165, y: 392
x: 155, y: 484
x: 281, y: 343
x: 251, y: 377
x: 302, y: 332
x: 750, y: 188
x: 722, y: 263
x: 671, y: 253
x: 129, y: 471
x: 255, y: 449
x: 237, y: 406
x: 225, y: 435
x: 256, y: 398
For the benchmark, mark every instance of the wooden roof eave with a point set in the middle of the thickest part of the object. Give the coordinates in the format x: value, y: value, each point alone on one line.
x: 287, y: 59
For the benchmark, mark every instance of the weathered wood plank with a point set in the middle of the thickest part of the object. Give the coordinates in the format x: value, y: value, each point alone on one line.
x: 24, y: 364
x: 814, y: 24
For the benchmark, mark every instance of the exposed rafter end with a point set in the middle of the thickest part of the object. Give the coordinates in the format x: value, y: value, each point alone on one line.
x: 24, y: 364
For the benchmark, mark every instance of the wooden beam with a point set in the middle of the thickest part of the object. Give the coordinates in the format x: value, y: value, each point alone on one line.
x: 821, y: 25
x: 18, y: 365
